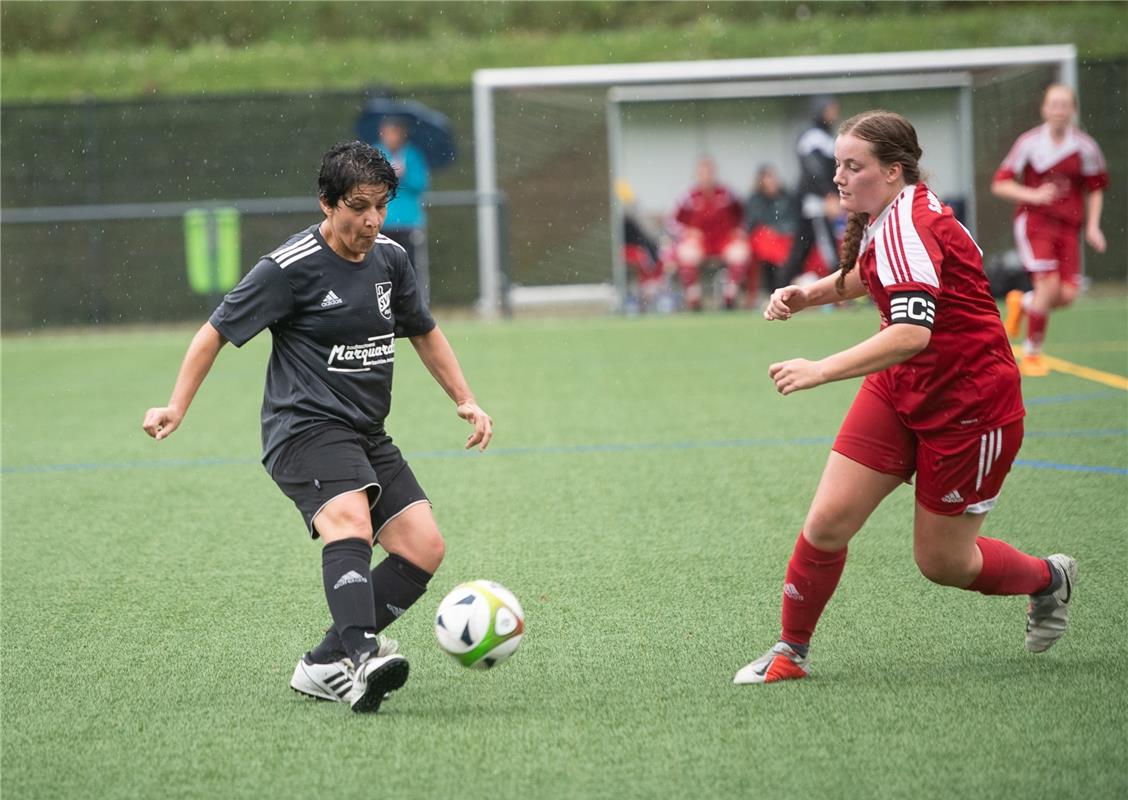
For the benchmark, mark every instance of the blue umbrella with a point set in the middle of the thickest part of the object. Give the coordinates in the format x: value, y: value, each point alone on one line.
x: 427, y: 129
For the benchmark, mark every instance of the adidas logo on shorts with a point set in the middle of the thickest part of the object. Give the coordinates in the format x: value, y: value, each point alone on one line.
x: 952, y: 497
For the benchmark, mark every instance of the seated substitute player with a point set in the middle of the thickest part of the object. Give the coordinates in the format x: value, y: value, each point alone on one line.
x: 335, y: 297
x: 941, y: 398
x: 1056, y: 175
x: 709, y: 219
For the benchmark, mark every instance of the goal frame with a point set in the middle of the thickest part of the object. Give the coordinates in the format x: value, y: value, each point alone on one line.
x: 676, y: 79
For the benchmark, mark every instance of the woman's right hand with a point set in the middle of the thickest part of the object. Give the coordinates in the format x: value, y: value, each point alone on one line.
x: 160, y: 422
x: 785, y: 302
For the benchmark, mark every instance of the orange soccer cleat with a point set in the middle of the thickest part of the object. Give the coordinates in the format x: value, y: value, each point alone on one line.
x: 781, y: 663
x: 1032, y: 366
x: 1015, y: 313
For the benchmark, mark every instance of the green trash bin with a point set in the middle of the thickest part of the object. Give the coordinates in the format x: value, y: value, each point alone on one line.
x: 197, y: 250
x: 227, y: 258
x: 212, y: 249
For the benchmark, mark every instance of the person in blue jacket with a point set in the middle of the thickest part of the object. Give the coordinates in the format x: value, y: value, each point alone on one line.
x: 407, y: 221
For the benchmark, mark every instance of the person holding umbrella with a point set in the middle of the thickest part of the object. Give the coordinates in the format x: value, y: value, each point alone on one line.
x: 407, y: 220
x: 416, y: 139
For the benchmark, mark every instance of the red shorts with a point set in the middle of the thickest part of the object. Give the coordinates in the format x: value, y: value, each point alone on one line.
x: 1048, y: 245
x: 956, y: 473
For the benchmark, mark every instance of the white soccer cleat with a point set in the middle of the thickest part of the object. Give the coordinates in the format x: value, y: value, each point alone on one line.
x: 781, y: 663
x: 1048, y: 615
x: 324, y: 681
x: 375, y: 678
x: 332, y: 680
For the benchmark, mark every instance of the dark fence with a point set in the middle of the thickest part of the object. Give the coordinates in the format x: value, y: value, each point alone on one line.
x: 203, y: 150
x: 220, y: 148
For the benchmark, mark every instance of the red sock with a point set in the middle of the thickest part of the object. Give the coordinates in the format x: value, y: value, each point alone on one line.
x: 812, y: 576
x: 1008, y: 571
x: 1036, y: 330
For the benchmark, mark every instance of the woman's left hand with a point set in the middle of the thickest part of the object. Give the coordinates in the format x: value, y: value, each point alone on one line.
x: 483, y: 425
x: 795, y: 374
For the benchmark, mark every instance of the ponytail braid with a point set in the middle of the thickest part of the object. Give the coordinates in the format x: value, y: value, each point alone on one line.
x: 851, y: 242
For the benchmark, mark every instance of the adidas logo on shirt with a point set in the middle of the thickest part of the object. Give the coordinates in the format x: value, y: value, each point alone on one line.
x: 331, y: 299
x: 952, y: 497
x: 352, y: 576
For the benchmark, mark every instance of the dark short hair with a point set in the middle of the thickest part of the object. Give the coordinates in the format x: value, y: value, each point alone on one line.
x: 350, y: 164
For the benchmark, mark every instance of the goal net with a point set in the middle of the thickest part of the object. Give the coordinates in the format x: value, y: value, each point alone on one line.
x: 551, y: 142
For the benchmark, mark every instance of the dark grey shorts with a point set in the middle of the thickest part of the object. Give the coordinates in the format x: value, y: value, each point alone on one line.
x: 330, y: 460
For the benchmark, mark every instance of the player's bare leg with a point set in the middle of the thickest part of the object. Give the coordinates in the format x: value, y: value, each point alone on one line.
x: 950, y: 551
x: 848, y: 493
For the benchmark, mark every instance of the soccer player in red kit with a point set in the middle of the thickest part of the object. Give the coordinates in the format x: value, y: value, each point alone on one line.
x: 709, y: 217
x: 941, y: 398
x: 1056, y: 175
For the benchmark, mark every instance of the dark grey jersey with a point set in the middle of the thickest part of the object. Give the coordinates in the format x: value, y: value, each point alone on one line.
x: 334, y: 324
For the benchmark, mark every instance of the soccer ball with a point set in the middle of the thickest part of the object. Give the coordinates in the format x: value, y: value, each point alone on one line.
x: 479, y: 624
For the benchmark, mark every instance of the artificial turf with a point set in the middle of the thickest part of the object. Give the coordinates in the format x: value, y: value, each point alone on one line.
x: 641, y: 497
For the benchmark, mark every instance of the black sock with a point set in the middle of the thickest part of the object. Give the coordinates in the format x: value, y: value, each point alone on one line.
x: 1056, y: 579
x: 396, y: 585
x: 800, y: 649
x: 348, y: 589
x: 395, y: 582
x: 329, y: 649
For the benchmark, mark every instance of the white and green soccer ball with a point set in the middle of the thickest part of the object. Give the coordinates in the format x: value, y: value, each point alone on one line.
x: 479, y: 624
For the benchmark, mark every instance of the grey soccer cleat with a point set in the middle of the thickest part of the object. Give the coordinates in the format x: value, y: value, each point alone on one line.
x: 781, y: 663
x: 332, y: 680
x: 1048, y: 615
x: 375, y: 678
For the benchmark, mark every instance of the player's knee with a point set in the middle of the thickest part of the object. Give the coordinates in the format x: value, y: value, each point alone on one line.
x: 735, y: 254
x: 944, y: 571
x: 828, y: 530
x: 1065, y: 298
x: 689, y: 254
x: 423, y: 547
x: 434, y: 550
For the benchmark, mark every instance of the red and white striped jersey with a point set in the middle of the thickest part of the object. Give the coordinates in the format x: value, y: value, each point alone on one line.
x: 918, y: 263
x: 1075, y: 164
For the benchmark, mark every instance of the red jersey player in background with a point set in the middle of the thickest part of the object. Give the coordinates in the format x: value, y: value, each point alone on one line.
x: 941, y: 398
x: 709, y: 218
x: 1056, y: 175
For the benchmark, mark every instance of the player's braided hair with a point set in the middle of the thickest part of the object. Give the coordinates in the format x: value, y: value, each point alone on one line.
x: 350, y: 164
x: 893, y: 141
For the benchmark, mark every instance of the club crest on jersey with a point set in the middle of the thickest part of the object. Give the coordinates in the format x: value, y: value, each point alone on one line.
x: 384, y: 298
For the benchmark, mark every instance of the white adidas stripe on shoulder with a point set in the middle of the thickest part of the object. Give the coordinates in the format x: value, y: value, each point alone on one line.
x: 295, y: 251
x: 286, y: 249
x: 913, y: 253
x: 299, y: 255
x: 382, y: 239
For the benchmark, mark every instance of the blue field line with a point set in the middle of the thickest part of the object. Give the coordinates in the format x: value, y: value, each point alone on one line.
x: 1021, y: 462
x: 575, y: 449
x: 1071, y: 398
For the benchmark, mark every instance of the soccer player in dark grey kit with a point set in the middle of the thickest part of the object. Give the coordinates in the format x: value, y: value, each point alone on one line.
x: 335, y: 297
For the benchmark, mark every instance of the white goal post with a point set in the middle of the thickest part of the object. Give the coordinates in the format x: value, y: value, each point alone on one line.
x: 622, y: 84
